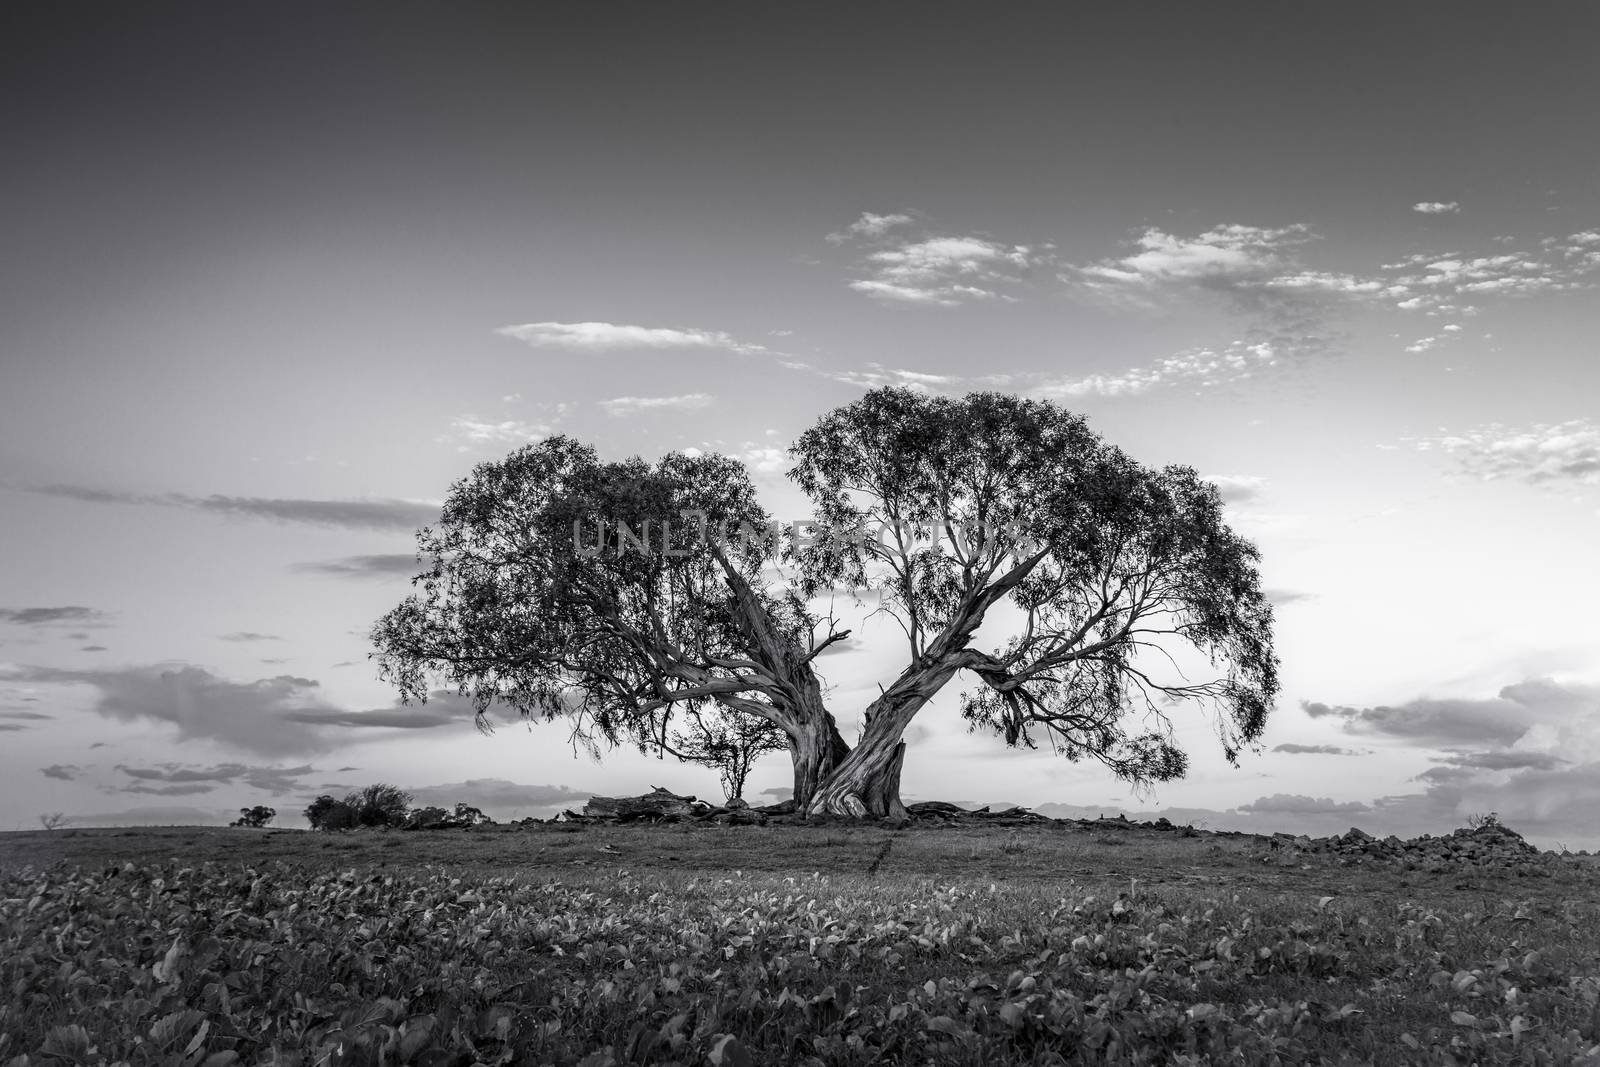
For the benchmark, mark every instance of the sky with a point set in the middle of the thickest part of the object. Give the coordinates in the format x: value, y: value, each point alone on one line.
x: 274, y: 278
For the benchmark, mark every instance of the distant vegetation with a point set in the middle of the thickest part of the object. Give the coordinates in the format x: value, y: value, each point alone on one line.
x: 255, y: 818
x: 384, y: 805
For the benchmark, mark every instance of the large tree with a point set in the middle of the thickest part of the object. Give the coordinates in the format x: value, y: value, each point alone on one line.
x: 628, y: 598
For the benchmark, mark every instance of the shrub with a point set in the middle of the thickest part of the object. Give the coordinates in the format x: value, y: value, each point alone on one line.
x: 255, y: 818
x: 330, y: 813
x: 380, y: 804
x: 435, y: 818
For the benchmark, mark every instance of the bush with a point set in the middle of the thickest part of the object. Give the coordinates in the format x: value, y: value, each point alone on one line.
x: 330, y: 813
x: 254, y: 818
x: 380, y: 805
x: 435, y: 818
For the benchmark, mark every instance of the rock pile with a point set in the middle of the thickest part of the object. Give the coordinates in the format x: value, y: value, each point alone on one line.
x: 1488, y: 848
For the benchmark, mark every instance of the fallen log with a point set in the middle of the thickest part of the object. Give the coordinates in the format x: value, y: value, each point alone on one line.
x: 936, y: 807
x: 662, y: 804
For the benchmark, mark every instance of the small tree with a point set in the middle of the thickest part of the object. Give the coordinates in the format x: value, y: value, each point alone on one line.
x: 52, y: 820
x: 331, y: 813
x: 467, y: 815
x: 728, y: 741
x: 254, y: 818
x: 432, y: 817
x: 380, y: 804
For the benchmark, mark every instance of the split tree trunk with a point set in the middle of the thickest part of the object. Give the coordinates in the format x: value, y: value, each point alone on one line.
x: 816, y: 752
x: 866, y: 783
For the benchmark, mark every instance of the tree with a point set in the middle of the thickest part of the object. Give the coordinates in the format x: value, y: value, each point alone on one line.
x: 379, y: 805
x: 330, y: 813
x: 730, y: 743
x: 947, y: 514
x: 254, y: 818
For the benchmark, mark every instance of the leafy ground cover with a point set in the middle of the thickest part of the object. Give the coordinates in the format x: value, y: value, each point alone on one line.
x: 810, y: 945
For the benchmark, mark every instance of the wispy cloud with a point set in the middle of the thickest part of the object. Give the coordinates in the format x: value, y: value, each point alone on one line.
x: 1199, y: 368
x: 71, y: 614
x: 1565, y: 453
x: 764, y: 459
x: 616, y: 337
x: 1436, y: 207
x: 247, y: 636
x: 469, y: 430
x: 870, y: 225
x: 1224, y: 257
x: 65, y: 772
x: 278, y: 716
x: 622, y: 406
x: 901, y: 261
x: 1538, y: 714
x: 1294, y: 749
x: 1238, y: 488
x: 395, y: 565
x: 368, y: 514
x: 1295, y: 804
x: 272, y: 779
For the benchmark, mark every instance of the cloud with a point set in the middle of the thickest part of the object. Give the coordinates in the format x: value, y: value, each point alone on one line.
x: 1201, y: 368
x: 1224, y: 257
x: 65, y: 772
x: 764, y: 460
x: 1293, y: 748
x: 272, y: 779
x: 68, y: 614
x: 468, y: 430
x: 386, y: 718
x: 1237, y: 488
x: 1538, y: 715
x: 251, y: 716
x: 1505, y: 760
x: 1279, y: 597
x: 375, y: 514
x: 244, y: 636
x: 191, y: 789
x: 1555, y: 803
x: 375, y: 566
x: 278, y: 716
x: 931, y: 269
x: 30, y: 716
x: 1543, y: 454
x: 870, y: 225
x: 612, y: 337
x: 632, y: 405
x: 1295, y: 804
x: 1436, y: 207
x: 500, y: 798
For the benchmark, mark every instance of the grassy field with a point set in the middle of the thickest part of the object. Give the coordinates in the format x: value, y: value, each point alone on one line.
x: 699, y: 944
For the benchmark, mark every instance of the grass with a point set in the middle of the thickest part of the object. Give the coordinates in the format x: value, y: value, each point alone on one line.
x: 802, y: 944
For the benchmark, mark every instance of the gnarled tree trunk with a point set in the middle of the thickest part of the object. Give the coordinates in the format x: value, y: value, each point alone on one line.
x: 816, y: 752
x: 866, y: 783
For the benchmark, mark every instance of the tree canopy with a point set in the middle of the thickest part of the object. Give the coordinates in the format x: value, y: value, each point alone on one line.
x: 655, y: 605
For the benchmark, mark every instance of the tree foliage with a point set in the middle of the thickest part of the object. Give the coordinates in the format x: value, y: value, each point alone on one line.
x: 1107, y: 565
x: 601, y: 594
x: 255, y: 818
